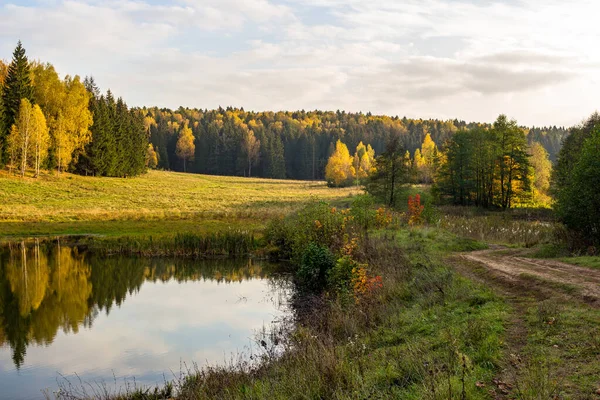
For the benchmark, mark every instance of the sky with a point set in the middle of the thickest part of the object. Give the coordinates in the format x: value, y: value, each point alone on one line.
x: 537, y: 61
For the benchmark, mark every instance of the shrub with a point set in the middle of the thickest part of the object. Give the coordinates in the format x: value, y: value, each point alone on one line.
x: 383, y: 218
x: 340, y: 276
x: 363, y: 212
x: 316, y: 223
x: 316, y: 263
x: 363, y: 285
x: 415, y: 210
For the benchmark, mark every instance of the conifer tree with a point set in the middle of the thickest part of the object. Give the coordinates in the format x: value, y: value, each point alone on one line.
x: 16, y: 87
x: 390, y: 175
x: 277, y: 159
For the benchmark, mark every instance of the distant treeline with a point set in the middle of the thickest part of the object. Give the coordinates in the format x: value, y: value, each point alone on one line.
x: 294, y: 145
x: 86, y: 132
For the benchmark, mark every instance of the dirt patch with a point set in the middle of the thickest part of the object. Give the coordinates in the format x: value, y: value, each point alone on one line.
x: 554, y: 278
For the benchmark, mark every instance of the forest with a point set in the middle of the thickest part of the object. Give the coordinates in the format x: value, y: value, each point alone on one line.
x: 90, y: 133
x: 294, y: 145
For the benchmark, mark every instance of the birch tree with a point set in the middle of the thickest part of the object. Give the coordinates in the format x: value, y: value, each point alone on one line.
x: 185, y: 147
x: 40, y: 138
x: 251, y: 148
x: 23, y: 133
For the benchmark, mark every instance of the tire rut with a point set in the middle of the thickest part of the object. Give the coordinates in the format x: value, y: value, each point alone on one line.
x: 510, y: 266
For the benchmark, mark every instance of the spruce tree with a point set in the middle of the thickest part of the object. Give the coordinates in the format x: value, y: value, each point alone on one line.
x: 278, y: 160
x: 17, y: 86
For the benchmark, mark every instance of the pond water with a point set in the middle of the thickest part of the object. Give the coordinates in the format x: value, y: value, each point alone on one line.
x: 69, y: 316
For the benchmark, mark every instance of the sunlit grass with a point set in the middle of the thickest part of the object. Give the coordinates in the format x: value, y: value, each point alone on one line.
x: 73, y: 204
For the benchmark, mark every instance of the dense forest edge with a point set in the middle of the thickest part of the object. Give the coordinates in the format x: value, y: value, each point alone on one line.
x: 391, y: 256
x: 88, y: 132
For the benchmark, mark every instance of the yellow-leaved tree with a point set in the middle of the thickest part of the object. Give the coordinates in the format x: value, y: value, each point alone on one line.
x: 251, y: 147
x: 151, y: 157
x: 339, y: 170
x: 40, y: 138
x: 65, y: 105
x: 22, y: 140
x: 73, y: 121
x: 364, y: 160
x: 29, y: 135
x: 185, y: 147
x: 426, y: 160
x: 541, y: 168
x: 12, y: 144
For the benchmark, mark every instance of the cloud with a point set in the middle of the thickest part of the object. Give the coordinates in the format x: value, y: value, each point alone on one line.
x: 387, y: 56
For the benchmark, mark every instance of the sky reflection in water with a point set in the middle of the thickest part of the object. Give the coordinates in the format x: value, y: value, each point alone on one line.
x: 63, y: 312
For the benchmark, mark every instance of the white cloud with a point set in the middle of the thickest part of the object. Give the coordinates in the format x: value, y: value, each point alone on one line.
x: 414, y: 57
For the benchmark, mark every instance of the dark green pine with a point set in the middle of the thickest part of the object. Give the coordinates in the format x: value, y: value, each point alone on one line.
x: 17, y: 87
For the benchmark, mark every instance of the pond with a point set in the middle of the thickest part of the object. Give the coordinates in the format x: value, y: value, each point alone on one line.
x: 68, y: 316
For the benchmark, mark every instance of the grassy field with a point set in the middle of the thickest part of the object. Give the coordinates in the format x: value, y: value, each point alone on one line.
x: 156, y: 203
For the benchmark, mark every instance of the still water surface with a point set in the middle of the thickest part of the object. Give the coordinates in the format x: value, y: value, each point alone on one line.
x: 64, y: 311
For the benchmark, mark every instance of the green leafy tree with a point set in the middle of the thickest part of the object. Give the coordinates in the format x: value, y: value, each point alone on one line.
x: 569, y: 153
x: 513, y: 161
x: 578, y: 201
x: 391, y: 173
x: 456, y: 177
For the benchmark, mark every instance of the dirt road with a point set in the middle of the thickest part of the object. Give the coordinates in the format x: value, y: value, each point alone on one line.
x: 527, y: 284
x: 512, y: 269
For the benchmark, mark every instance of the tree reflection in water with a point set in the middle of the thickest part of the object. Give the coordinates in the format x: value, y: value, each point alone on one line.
x: 46, y: 286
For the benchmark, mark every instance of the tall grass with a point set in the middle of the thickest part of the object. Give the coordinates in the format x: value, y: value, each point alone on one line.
x: 499, y: 229
x: 217, y: 244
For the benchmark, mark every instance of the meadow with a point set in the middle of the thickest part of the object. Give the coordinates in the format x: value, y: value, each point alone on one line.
x: 155, y: 203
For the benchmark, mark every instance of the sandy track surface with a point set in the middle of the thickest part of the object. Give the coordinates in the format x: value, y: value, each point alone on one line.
x: 509, y: 265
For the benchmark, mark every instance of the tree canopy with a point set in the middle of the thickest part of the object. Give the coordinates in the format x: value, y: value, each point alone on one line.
x: 66, y: 124
x: 577, y: 183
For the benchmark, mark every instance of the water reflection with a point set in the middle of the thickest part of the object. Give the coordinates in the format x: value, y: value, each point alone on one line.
x: 64, y: 310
